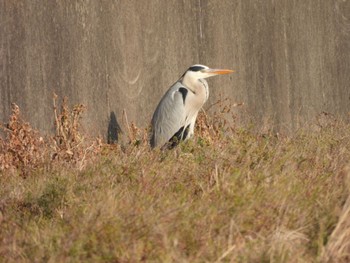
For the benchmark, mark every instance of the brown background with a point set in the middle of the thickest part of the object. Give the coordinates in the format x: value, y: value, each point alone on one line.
x: 292, y: 57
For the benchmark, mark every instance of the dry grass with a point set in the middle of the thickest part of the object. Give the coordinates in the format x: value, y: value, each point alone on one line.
x: 338, y: 247
x: 229, y: 195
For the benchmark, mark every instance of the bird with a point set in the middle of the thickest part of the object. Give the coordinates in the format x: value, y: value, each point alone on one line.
x: 174, y: 119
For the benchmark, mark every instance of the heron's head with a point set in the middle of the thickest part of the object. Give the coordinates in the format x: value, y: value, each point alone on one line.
x: 198, y: 71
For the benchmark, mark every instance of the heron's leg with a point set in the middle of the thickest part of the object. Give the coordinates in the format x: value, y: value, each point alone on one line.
x: 191, y: 131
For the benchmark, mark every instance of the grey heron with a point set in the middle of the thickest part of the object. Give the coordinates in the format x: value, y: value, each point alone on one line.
x: 175, y: 116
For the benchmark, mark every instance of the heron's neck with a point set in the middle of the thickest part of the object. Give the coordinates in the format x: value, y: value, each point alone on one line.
x: 197, y: 86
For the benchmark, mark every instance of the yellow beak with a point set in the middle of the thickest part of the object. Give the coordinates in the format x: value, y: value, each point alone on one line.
x: 218, y: 71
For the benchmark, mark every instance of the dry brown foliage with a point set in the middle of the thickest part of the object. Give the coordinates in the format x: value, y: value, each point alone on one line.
x: 221, y: 121
x: 23, y: 147
x: 68, y: 143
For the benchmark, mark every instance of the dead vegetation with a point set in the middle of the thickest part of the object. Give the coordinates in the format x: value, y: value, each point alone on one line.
x: 23, y: 149
x: 229, y: 195
x: 68, y: 143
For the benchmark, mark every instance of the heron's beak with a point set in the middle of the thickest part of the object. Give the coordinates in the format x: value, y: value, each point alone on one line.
x: 218, y: 71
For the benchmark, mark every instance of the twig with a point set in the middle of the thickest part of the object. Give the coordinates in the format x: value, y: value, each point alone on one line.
x: 84, y: 156
x: 55, y: 113
x: 225, y: 254
x: 127, y: 124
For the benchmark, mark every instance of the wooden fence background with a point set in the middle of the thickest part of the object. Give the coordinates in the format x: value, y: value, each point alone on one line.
x: 292, y: 57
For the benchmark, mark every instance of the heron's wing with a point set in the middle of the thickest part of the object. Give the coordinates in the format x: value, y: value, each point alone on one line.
x: 170, y: 115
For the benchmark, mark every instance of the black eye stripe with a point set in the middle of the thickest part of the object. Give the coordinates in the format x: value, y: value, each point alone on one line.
x: 196, y: 68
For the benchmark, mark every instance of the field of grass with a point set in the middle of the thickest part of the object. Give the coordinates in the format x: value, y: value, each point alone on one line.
x: 233, y: 194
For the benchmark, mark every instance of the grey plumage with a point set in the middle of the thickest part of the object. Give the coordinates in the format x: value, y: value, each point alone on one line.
x: 175, y: 116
